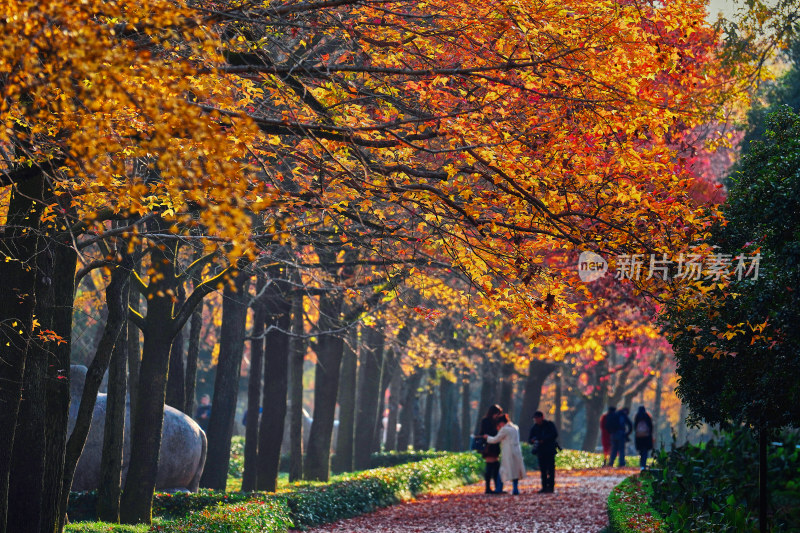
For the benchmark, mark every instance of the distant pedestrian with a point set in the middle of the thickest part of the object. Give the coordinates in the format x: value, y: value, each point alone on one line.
x: 605, y: 434
x: 643, y: 435
x: 203, y: 412
x: 543, y: 440
x: 491, y: 452
x: 622, y: 429
x: 513, y: 467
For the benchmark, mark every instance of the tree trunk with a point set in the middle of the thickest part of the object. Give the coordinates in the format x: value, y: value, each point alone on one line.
x: 18, y: 249
x: 657, y: 407
x: 369, y: 382
x: 38, y: 451
x: 276, y: 380
x: 148, y: 413
x: 594, y: 410
x: 443, y: 435
x: 388, y: 366
x: 395, y: 387
x: 538, y: 371
x: 557, y: 400
x: 226, y: 384
x: 763, y: 494
x: 192, y: 353
x: 117, y: 302
x: 408, y: 411
x: 134, y: 354
x: 343, y: 460
x: 427, y: 424
x: 27, y: 467
x: 297, y: 357
x: 466, y: 415
x: 681, y: 436
x: 176, y: 380
x: 326, y: 386
x: 249, y: 476
x: 418, y: 414
x: 57, y: 387
x: 507, y: 386
x: 488, y: 389
x: 110, y: 488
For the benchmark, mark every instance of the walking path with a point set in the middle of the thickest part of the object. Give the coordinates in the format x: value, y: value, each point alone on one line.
x: 578, y: 505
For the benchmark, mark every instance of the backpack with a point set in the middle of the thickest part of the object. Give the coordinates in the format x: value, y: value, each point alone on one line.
x: 642, y: 429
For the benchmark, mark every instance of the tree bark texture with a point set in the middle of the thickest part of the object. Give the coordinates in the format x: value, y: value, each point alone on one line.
x: 176, y: 380
x: 427, y: 421
x: 117, y: 303
x: 250, y: 474
x: 409, y: 408
x: 235, y: 300
x: 538, y: 371
x: 278, y: 304
x: 395, y: 392
x: 192, y: 353
x: 466, y: 411
x: 367, y: 403
x: 488, y: 394
x: 148, y: 417
x: 449, y: 429
x: 110, y: 489
x: 297, y: 358
x: 18, y: 249
x: 326, y: 378
x: 343, y: 460
x: 57, y: 386
x: 507, y: 387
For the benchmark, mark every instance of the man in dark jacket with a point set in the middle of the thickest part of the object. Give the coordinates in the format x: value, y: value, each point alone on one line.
x: 543, y: 437
x: 621, y: 431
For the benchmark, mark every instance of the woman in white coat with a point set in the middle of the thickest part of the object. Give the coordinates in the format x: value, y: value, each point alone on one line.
x: 511, y: 467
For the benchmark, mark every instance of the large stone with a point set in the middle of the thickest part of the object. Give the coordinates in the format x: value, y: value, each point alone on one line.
x: 183, y: 444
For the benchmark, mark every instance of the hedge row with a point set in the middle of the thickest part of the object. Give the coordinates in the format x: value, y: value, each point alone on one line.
x: 629, y: 508
x: 304, y: 504
x: 565, y: 459
x: 368, y: 490
x: 377, y: 460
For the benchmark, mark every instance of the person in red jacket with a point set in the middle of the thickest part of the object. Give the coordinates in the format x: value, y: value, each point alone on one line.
x: 605, y: 434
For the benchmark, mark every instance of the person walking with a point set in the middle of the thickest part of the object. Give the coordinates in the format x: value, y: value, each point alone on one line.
x: 542, y: 438
x: 605, y: 434
x: 491, y: 452
x: 513, y: 467
x: 643, y: 435
x: 622, y: 427
x: 203, y: 413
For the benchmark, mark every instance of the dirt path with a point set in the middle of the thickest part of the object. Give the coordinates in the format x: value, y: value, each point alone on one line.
x: 578, y: 505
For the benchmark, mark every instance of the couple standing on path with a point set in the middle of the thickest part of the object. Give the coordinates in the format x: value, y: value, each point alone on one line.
x: 496, y: 428
x: 616, y: 428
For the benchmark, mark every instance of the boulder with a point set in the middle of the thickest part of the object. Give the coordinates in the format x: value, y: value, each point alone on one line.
x: 183, y: 444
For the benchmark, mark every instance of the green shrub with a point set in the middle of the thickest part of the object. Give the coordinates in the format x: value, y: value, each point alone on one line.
x: 365, y: 491
x: 176, y: 505
x: 307, y: 503
x: 236, y: 463
x: 715, y: 487
x: 565, y: 459
x: 630, y: 510
x: 384, y: 459
x: 268, y: 515
x: 103, y: 527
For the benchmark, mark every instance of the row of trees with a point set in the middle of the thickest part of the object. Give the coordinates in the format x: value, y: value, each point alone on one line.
x: 338, y: 167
